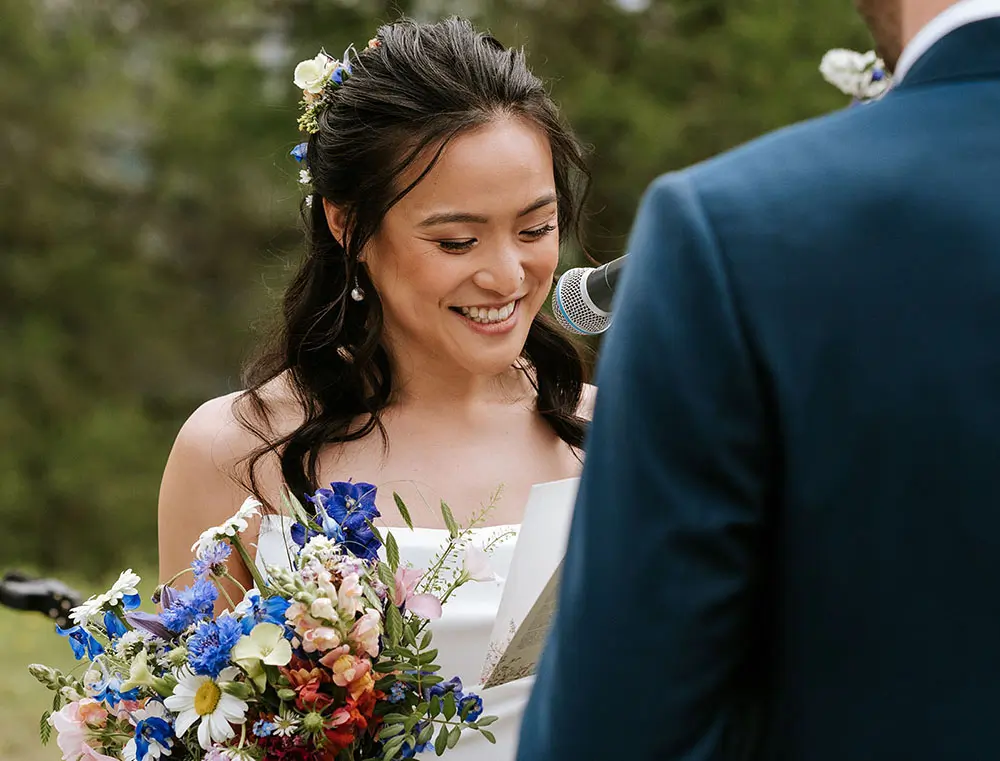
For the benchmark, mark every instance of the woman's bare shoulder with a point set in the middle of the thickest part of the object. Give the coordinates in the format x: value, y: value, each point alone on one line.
x: 228, y: 428
x: 206, y: 475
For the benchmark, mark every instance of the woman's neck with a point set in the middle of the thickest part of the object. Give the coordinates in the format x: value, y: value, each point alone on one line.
x: 457, y: 390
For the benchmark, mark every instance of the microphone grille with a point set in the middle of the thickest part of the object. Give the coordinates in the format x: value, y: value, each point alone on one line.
x: 572, y: 309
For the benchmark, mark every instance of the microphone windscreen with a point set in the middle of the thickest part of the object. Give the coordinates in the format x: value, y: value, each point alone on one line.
x: 573, y: 310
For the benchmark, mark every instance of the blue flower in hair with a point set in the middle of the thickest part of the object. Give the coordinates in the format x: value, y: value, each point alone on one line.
x: 299, y: 151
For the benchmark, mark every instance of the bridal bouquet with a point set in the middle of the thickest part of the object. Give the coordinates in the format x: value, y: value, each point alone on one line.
x: 328, y: 658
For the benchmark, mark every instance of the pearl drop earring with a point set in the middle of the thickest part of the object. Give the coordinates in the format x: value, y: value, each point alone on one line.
x: 356, y: 292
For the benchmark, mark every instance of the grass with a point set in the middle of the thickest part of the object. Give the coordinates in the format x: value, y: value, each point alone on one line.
x: 31, y: 638
x: 27, y: 638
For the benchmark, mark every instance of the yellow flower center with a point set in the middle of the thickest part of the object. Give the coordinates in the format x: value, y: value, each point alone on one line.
x: 207, y: 698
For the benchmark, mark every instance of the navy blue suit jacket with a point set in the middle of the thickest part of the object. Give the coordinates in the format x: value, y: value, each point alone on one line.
x: 787, y: 539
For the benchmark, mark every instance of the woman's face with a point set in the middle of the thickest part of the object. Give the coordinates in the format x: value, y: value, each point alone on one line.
x: 465, y: 260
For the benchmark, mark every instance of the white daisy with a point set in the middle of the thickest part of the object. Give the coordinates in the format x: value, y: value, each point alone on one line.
x: 304, y: 177
x: 89, y: 611
x: 92, y: 610
x: 200, y: 700
x: 285, y: 724
x: 127, y: 585
x: 235, y: 525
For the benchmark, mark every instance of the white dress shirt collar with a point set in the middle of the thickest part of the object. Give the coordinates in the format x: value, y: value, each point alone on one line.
x: 958, y: 15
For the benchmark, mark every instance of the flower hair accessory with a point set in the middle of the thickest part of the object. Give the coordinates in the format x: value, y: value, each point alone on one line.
x: 863, y: 76
x: 319, y: 78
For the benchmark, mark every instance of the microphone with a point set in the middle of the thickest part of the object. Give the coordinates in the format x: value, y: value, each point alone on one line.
x: 581, y: 300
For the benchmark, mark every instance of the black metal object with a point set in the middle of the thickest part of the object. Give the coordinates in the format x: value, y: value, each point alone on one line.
x: 49, y: 597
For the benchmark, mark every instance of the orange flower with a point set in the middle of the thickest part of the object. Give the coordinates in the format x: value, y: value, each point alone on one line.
x: 348, y: 669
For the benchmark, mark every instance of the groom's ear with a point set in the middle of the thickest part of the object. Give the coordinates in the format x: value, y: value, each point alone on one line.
x: 335, y: 219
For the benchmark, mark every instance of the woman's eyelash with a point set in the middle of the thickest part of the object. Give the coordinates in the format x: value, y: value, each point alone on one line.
x: 458, y: 246
x: 538, y: 232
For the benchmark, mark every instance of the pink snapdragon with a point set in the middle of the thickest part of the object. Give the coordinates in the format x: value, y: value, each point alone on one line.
x: 366, y: 631
x: 349, y: 595
x: 320, y: 639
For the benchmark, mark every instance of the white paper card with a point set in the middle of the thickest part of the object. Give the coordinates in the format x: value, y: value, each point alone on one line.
x: 532, y: 586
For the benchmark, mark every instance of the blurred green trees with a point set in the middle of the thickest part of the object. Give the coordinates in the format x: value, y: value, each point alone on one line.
x: 148, y: 207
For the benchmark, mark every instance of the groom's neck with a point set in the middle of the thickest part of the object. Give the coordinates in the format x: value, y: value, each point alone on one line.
x: 916, y: 14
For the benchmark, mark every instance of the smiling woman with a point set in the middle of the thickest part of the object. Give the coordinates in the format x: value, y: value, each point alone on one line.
x: 411, y: 353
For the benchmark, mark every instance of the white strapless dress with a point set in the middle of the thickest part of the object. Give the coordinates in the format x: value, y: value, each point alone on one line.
x: 461, y: 635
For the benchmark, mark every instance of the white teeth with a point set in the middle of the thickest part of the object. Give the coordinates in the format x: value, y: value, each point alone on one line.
x: 489, y: 314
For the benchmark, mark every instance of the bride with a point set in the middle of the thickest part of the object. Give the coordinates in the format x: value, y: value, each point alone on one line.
x: 410, y: 352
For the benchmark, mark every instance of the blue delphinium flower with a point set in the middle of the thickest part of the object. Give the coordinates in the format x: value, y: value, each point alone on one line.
x: 113, y: 625
x: 338, y: 76
x: 82, y: 642
x: 195, y: 603
x: 345, y: 512
x: 470, y: 707
x: 153, y: 734
x: 210, y: 645
x: 299, y: 151
x: 108, y: 689
x: 256, y: 610
x: 452, y: 685
x: 212, y: 561
x: 408, y: 751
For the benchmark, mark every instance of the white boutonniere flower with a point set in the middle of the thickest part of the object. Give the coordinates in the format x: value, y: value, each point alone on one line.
x: 863, y: 76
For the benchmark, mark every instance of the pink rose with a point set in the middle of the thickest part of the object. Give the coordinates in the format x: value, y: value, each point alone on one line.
x: 73, y: 733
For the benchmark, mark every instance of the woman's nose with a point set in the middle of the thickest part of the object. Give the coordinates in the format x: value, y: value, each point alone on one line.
x: 502, y: 274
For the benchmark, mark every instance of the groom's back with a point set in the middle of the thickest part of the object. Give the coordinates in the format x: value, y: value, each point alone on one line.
x: 864, y: 256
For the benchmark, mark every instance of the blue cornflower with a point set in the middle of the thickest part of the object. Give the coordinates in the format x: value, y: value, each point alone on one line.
x: 113, y: 625
x: 195, y: 603
x: 264, y: 728
x: 82, y: 642
x: 470, y: 707
x: 210, y: 645
x: 212, y: 561
x: 397, y: 693
x: 254, y: 610
x: 407, y: 751
x: 345, y: 512
x: 153, y: 737
x: 299, y: 151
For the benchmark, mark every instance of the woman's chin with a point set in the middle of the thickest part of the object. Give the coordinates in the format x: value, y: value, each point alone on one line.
x: 491, y: 357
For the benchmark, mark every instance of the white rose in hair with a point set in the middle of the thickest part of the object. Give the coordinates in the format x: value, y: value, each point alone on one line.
x: 313, y: 74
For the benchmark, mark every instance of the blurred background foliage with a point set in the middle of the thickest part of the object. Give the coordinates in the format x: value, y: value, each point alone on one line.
x: 148, y: 205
